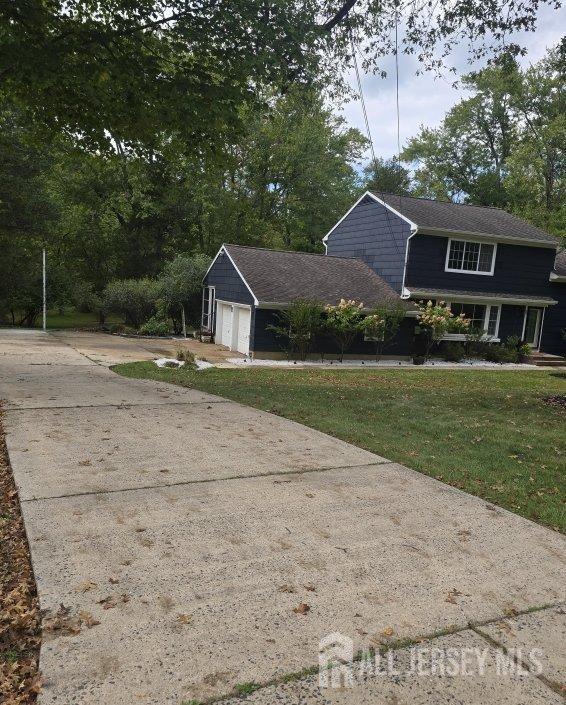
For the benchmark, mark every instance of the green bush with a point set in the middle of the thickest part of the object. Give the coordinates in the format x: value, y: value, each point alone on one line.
x: 453, y: 352
x: 134, y: 299
x: 501, y: 354
x: 158, y: 324
x: 298, y: 325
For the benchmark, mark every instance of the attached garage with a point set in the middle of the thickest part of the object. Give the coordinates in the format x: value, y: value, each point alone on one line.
x: 246, y: 288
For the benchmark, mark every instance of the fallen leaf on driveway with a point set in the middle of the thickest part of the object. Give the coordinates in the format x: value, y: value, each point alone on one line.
x: 310, y: 587
x: 286, y: 588
x: 303, y: 608
x: 85, y: 586
x: 88, y: 620
x: 113, y: 579
x: 184, y: 618
x: 388, y: 631
x: 452, y: 595
x: 84, y: 462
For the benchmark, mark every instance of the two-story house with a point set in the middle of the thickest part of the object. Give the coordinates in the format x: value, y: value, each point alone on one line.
x: 500, y: 271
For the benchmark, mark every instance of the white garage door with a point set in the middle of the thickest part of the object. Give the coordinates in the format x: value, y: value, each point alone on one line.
x: 233, y: 327
x: 244, y: 320
x: 224, y: 325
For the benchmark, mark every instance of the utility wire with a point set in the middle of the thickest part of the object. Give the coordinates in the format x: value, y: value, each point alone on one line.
x: 362, y: 101
x: 397, y: 89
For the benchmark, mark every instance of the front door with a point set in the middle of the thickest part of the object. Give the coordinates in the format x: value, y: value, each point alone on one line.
x: 533, y: 319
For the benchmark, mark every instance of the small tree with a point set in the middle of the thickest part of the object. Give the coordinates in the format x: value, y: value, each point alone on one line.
x: 435, y: 321
x: 381, y: 326
x: 180, y: 286
x: 344, y: 322
x: 298, y: 325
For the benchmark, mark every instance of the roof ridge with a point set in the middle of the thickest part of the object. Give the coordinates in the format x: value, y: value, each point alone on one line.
x: 292, y: 252
x: 437, y: 200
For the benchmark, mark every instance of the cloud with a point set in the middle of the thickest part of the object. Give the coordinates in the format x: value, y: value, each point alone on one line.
x: 425, y: 99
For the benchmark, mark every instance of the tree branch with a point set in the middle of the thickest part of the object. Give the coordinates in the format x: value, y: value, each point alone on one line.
x: 339, y: 16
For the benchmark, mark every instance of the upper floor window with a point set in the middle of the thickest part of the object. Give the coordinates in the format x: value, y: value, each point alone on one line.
x: 470, y: 257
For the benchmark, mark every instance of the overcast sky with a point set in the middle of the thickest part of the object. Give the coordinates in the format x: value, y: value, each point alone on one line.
x: 424, y: 99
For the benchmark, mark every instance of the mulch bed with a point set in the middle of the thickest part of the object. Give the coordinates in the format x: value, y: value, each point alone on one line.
x: 20, y: 630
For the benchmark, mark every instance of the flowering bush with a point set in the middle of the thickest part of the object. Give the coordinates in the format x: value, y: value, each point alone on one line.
x: 343, y: 322
x: 437, y: 320
x: 382, y: 325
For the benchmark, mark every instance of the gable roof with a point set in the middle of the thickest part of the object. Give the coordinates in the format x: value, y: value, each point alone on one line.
x: 560, y: 264
x: 462, y: 218
x: 279, y: 277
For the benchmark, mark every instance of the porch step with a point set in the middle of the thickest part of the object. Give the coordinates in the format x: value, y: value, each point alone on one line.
x: 545, y: 360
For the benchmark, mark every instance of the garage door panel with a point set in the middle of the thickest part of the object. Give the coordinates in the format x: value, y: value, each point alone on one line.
x: 243, y: 338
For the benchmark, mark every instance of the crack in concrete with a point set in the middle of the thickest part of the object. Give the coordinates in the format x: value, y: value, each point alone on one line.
x: 549, y: 683
x: 204, y: 480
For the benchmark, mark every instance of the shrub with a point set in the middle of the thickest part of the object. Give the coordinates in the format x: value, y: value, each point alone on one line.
x: 298, y: 325
x: 501, y: 354
x: 436, y: 319
x: 382, y: 325
x: 158, y: 324
x: 186, y: 356
x: 453, y: 352
x: 134, y: 299
x: 343, y: 322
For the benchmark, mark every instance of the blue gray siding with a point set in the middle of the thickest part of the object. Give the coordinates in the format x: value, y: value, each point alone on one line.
x: 375, y: 235
x: 518, y: 270
x: 511, y: 321
x: 555, y: 321
x: 229, y: 285
x: 266, y: 341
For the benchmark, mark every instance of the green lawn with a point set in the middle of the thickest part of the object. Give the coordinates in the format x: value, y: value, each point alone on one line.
x: 74, y: 319
x: 488, y: 432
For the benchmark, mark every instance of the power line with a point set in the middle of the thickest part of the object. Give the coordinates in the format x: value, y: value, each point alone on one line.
x: 362, y: 101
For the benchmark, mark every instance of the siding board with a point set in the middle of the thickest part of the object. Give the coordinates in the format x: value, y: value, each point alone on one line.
x: 375, y: 235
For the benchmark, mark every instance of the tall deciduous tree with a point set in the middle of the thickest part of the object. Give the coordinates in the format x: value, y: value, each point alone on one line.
x: 505, y: 145
x: 133, y: 71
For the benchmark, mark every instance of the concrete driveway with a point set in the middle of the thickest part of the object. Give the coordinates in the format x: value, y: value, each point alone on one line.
x: 186, y: 545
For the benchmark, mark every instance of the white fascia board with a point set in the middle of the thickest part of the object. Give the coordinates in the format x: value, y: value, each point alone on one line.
x: 220, y: 251
x: 377, y: 200
x: 473, y: 298
x: 488, y: 237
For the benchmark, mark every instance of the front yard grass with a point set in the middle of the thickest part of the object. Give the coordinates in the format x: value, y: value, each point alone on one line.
x: 490, y: 433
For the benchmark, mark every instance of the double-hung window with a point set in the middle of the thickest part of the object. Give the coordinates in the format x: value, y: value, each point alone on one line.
x: 483, y: 317
x: 470, y: 257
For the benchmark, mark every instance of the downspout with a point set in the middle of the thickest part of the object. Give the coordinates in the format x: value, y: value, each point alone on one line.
x: 405, y: 294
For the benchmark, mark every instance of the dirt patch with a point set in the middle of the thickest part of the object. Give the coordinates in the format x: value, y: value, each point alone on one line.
x: 558, y: 401
x: 20, y: 631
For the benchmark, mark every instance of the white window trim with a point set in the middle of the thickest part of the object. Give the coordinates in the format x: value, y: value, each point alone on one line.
x: 210, y: 312
x: 486, y: 337
x: 470, y: 271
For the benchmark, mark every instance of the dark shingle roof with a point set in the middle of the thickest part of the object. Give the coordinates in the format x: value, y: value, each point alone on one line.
x: 280, y: 277
x: 458, y: 217
x: 560, y: 264
x: 453, y: 294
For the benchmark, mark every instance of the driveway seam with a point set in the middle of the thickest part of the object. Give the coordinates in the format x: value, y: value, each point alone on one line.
x: 208, y: 480
x: 552, y: 685
x: 310, y: 671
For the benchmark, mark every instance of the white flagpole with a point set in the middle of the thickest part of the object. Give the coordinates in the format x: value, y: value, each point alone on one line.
x: 44, y: 293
